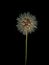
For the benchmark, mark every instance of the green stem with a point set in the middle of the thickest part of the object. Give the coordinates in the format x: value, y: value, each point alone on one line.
x: 26, y: 50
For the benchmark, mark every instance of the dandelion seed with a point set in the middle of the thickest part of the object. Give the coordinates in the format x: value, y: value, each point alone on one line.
x: 26, y: 24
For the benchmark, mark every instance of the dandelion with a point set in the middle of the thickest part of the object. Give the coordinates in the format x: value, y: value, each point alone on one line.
x: 26, y: 24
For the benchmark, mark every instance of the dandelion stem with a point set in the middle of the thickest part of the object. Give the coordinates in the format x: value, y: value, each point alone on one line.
x: 26, y: 49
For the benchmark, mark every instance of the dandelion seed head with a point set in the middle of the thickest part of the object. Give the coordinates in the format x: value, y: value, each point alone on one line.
x: 26, y: 22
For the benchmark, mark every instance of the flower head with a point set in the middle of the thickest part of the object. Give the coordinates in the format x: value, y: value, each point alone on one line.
x: 26, y: 22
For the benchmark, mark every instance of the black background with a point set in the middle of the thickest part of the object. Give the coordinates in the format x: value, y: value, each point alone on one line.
x: 14, y: 51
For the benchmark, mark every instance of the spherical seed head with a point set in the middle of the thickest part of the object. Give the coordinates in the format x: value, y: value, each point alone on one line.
x: 26, y: 22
